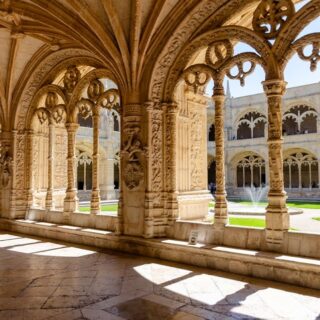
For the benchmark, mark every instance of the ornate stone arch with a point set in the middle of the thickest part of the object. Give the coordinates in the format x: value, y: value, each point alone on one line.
x: 301, y: 168
x: 242, y: 113
x: 283, y: 46
x: 232, y: 33
x: 45, y: 69
x: 84, y: 81
x: 297, y: 114
x: 312, y: 105
x: 36, y: 99
x: 206, y: 16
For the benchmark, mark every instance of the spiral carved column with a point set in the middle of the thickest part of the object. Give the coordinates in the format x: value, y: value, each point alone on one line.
x: 71, y: 199
x: 221, y: 207
x: 277, y: 217
x: 95, y: 194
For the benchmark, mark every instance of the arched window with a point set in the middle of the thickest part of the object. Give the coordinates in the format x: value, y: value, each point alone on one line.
x: 299, y: 119
x: 84, y: 171
x: 300, y: 171
x: 251, y: 172
x: 251, y: 125
x: 212, y: 133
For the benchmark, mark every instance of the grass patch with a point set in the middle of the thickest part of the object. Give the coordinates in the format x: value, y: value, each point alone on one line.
x: 316, y: 218
x: 247, y: 222
x: 106, y: 207
x: 290, y: 204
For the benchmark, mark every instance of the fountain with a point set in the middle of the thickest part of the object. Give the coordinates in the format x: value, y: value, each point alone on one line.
x: 256, y: 195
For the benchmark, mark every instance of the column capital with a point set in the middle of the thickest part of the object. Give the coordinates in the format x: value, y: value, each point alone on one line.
x: 30, y: 132
x: 274, y: 87
x: 72, y: 126
x: 172, y: 107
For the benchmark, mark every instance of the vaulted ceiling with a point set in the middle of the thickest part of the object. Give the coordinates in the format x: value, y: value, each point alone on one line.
x: 126, y: 36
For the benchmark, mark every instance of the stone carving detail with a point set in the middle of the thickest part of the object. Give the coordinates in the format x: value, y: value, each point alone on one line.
x: 109, y: 99
x: 85, y: 108
x: 313, y: 57
x: 197, y: 162
x: 156, y: 150
x: 166, y: 59
x: 170, y: 147
x: 71, y: 78
x: 5, y: 166
x: 197, y: 77
x: 132, y: 149
x: 133, y: 174
x: 274, y: 91
x: 270, y: 17
x: 60, y: 168
x: 242, y: 74
x: 218, y: 52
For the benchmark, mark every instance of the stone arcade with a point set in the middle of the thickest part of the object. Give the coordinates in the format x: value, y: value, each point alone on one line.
x: 95, y: 89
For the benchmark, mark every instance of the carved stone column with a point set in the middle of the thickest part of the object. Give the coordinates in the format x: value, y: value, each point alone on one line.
x: 95, y: 194
x: 71, y: 200
x: 172, y: 110
x: 30, y: 195
x: 221, y: 207
x: 277, y: 217
x: 148, y: 231
x: 154, y: 159
x: 49, y: 196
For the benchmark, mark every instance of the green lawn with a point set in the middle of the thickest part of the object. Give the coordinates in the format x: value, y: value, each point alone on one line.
x: 291, y: 204
x: 247, y: 222
x: 316, y: 218
x: 106, y: 207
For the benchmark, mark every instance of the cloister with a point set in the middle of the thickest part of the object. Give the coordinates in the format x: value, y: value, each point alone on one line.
x: 106, y: 99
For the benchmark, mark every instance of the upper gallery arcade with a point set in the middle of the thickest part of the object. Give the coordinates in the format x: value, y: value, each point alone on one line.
x: 113, y: 91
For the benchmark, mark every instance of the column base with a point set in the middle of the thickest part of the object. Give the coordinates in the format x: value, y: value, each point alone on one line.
x: 277, y: 221
x: 218, y: 233
x: 148, y: 228
x: 95, y: 202
x: 221, y: 210
x: 194, y: 205
x: 108, y: 194
x: 71, y: 202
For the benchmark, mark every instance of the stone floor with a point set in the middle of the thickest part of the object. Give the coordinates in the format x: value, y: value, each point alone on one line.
x: 41, y: 279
